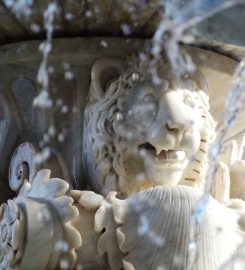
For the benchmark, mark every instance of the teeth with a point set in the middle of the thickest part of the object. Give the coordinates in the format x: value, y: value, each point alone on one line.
x: 171, y: 154
x: 180, y: 155
x: 158, y: 151
x: 161, y: 154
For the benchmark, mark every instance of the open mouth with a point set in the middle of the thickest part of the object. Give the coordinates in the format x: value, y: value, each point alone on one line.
x: 171, y: 154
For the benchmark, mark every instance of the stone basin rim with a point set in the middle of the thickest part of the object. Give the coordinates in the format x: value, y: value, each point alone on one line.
x: 73, y: 48
x: 27, y: 51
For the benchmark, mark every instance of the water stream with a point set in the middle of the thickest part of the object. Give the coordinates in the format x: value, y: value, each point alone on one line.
x: 175, y: 27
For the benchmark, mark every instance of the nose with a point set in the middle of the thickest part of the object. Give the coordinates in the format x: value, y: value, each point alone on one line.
x: 179, y: 117
x: 172, y: 120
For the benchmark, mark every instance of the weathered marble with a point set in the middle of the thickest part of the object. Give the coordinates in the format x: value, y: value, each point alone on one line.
x: 137, y: 134
x: 88, y: 230
x: 58, y: 127
x: 124, y: 111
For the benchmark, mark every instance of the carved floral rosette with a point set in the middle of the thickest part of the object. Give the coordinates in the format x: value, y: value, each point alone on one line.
x: 35, y: 227
x: 11, y: 234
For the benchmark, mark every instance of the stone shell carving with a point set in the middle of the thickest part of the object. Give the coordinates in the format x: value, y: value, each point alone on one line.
x: 159, y: 227
x: 165, y: 227
x: 174, y: 230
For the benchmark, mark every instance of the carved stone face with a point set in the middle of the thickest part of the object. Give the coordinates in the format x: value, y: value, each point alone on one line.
x: 162, y: 128
x: 139, y: 135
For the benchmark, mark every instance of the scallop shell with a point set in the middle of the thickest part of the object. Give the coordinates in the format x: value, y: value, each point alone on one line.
x: 175, y: 227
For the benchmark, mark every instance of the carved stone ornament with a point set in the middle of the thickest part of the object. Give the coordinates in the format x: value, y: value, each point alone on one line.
x: 38, y: 222
x: 84, y: 228
x: 134, y: 137
x: 145, y: 158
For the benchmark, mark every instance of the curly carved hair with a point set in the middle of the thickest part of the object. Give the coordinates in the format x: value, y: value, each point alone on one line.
x: 103, y: 145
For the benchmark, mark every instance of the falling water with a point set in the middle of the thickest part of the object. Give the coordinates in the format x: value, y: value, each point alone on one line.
x: 20, y: 7
x: 43, y: 100
x: 176, y: 26
x: 235, y: 100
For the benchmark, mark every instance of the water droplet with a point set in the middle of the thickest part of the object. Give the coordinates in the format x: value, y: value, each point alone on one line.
x: 126, y: 29
x: 104, y: 43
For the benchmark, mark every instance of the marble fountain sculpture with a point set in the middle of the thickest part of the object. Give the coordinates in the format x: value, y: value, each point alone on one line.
x: 108, y: 169
x: 144, y: 155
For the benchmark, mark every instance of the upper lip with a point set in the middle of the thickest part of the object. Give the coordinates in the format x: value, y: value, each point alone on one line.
x: 164, y: 154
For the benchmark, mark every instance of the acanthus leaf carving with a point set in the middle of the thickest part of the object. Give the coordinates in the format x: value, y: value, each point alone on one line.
x: 44, y: 225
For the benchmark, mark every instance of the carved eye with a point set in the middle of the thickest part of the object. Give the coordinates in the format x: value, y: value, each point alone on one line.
x: 148, y: 98
x: 188, y: 100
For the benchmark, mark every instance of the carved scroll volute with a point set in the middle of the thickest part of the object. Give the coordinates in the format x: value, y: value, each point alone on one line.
x: 22, y: 166
x: 104, y: 71
x: 27, y: 160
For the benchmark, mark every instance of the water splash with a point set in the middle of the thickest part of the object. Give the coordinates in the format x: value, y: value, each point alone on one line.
x: 194, y: 239
x: 200, y: 209
x: 176, y: 26
x: 235, y: 100
x: 43, y: 100
x: 20, y: 7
